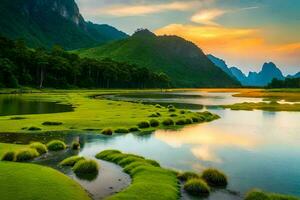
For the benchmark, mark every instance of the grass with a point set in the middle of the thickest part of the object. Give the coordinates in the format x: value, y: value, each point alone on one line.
x: 187, y: 176
x: 75, y: 146
x: 149, y: 180
x: 214, y: 178
x: 89, y: 113
x: 260, y: 195
x: 41, y: 148
x: 154, y: 123
x: 71, y: 161
x: 107, y: 131
x: 144, y: 124
x: 56, y: 145
x: 197, y: 187
x: 168, y: 122
x: 84, y: 166
x: 9, y: 156
x: 52, y: 123
x: 5, y: 147
x: 24, y: 181
x: 26, y: 154
x: 121, y: 130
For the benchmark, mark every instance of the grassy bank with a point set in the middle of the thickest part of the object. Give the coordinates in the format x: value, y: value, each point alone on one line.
x: 260, y: 195
x: 89, y: 113
x: 150, y: 181
x: 10, y: 147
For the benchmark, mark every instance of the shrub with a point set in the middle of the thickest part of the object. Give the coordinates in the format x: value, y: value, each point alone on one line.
x: 26, y: 154
x: 71, y: 161
x: 121, y: 130
x: 34, y: 128
x: 40, y: 147
x: 86, y: 167
x: 154, y: 123
x: 144, y: 124
x: 256, y: 195
x: 134, y: 129
x: 188, y: 121
x: 75, y: 145
x: 9, y: 156
x: 52, y: 123
x: 172, y: 110
x: 107, y: 131
x: 173, y: 115
x: 180, y: 122
x: 214, y: 178
x: 187, y: 176
x: 56, y: 145
x: 196, y: 187
x: 168, y: 122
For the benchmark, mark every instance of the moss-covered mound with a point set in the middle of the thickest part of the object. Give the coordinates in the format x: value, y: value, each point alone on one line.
x: 56, y: 145
x: 107, y: 131
x: 121, y: 130
x: 134, y: 129
x: 40, y: 147
x: 149, y: 180
x: 75, y: 146
x: 187, y: 176
x: 86, y: 167
x: 9, y: 156
x: 144, y: 124
x: 260, y: 195
x: 71, y: 161
x: 214, y: 178
x: 26, y: 155
x: 154, y: 123
x: 197, y: 187
x: 52, y: 123
x: 168, y: 122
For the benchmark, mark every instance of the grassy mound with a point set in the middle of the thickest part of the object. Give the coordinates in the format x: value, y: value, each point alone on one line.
x: 86, y: 167
x: 214, y: 178
x: 26, y: 155
x: 40, y: 147
x: 197, y: 187
x: 149, y: 180
x: 188, y: 121
x: 71, y: 161
x: 52, y: 123
x: 121, y: 130
x: 34, y: 128
x: 75, y: 146
x: 260, y: 195
x: 56, y: 145
x: 134, y: 129
x: 187, y: 176
x: 154, y: 123
x: 107, y: 131
x: 168, y: 122
x: 144, y: 124
x: 180, y: 122
x: 24, y: 181
x: 9, y: 156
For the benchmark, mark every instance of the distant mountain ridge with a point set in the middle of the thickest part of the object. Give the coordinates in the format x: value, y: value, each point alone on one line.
x: 181, y: 60
x: 44, y: 23
x: 268, y: 72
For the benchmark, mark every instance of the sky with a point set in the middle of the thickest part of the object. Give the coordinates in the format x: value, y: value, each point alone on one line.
x: 245, y: 33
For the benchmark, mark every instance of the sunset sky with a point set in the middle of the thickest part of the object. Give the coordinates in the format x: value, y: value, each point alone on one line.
x: 245, y: 33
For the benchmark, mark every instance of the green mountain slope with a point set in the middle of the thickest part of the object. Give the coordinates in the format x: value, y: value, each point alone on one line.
x: 48, y: 22
x: 181, y: 60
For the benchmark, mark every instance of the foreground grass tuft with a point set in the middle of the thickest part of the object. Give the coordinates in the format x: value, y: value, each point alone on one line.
x: 9, y: 156
x: 26, y: 155
x: 71, y: 161
x: 40, y: 147
x: 56, y: 145
x: 149, y: 180
x: 86, y: 167
x: 197, y: 187
x: 214, y: 178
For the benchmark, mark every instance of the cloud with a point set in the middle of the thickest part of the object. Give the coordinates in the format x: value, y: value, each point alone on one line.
x: 207, y: 17
x: 122, y: 10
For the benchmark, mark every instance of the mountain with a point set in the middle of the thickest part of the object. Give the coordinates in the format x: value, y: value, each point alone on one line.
x: 297, y: 75
x: 239, y: 75
x: 220, y: 63
x: 49, y: 22
x: 181, y: 60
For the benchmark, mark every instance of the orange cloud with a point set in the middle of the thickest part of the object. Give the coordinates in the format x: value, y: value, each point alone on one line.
x: 206, y: 17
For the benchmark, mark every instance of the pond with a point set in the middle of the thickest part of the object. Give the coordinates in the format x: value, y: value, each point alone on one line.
x: 256, y: 149
x: 17, y: 105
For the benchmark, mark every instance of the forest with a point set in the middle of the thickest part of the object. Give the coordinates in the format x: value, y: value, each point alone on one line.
x: 287, y: 83
x: 57, y: 68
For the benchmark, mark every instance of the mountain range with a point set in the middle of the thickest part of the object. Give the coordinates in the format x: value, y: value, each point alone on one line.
x: 44, y: 23
x: 268, y: 72
x: 181, y: 60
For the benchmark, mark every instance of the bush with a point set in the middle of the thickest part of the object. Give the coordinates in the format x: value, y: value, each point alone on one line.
x: 256, y: 195
x: 154, y: 123
x: 107, y: 131
x: 188, y: 121
x: 180, y: 122
x: 9, y: 156
x: 56, y: 145
x: 26, y: 155
x: 34, y: 128
x: 197, y: 187
x: 71, y: 161
x: 52, y: 123
x: 168, y: 122
x: 214, y: 178
x: 75, y: 146
x: 121, y: 130
x: 172, y: 110
x: 40, y: 147
x: 185, y: 176
x: 86, y: 167
x: 134, y: 129
x: 144, y: 124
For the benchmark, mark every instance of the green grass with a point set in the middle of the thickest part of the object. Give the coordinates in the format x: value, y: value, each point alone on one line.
x: 71, y: 161
x: 214, y: 178
x: 84, y: 166
x: 197, y: 187
x: 41, y: 148
x: 121, y: 130
x: 149, y: 180
x: 56, y: 145
x: 27, y: 154
x: 22, y: 181
x: 261, y: 195
x: 75, y: 146
x: 5, y: 147
x: 187, y: 175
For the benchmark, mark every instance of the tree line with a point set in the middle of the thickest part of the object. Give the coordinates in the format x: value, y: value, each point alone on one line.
x: 56, y: 68
x: 287, y: 83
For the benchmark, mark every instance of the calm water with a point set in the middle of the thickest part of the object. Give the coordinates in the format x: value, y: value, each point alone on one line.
x: 16, y: 105
x: 256, y: 149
